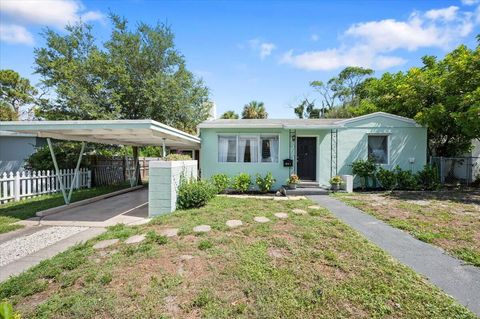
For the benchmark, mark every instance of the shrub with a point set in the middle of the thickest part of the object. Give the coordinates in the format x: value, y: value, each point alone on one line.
x: 177, y: 157
x: 265, y: 183
x: 220, y: 181
x: 364, y: 169
x: 241, y: 183
x: 428, y: 177
x: 194, y: 194
x: 387, y: 179
x: 405, y: 179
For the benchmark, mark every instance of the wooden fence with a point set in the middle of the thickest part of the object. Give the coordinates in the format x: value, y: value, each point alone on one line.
x: 27, y: 184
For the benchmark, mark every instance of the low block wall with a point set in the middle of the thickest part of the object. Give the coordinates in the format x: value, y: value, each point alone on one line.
x: 164, y: 179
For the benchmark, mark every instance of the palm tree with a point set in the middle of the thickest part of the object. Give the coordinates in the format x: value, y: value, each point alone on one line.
x: 254, y: 110
x: 229, y: 115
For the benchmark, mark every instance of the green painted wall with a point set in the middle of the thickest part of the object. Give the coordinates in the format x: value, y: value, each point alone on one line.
x: 406, y: 141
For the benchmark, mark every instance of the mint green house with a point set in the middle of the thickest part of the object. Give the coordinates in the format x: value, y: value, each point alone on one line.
x: 314, y: 149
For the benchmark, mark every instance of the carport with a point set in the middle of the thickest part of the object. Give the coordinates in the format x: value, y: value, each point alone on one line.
x: 113, y: 132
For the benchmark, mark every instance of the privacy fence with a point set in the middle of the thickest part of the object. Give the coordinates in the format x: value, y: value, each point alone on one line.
x: 457, y: 170
x: 28, y: 184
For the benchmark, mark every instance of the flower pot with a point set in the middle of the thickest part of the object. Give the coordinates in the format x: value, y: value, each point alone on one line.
x: 335, y: 187
x: 292, y: 186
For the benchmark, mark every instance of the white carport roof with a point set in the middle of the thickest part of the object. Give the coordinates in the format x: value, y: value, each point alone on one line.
x: 121, y: 132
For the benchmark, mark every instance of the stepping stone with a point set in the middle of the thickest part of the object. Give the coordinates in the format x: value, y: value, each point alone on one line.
x: 202, y: 229
x: 261, y: 219
x: 169, y: 232
x: 275, y: 253
x: 298, y: 211
x: 185, y: 257
x: 105, y: 243
x: 314, y: 207
x: 281, y: 215
x: 234, y: 223
x: 135, y: 239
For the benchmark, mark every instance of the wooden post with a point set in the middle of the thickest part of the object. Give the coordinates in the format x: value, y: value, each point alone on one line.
x: 17, y: 186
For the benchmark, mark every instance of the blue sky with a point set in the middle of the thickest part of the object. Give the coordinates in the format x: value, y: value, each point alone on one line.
x: 267, y: 51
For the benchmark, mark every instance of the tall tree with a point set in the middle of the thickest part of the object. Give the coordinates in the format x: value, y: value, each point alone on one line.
x: 15, y: 92
x: 443, y: 95
x: 306, y: 109
x: 254, y: 110
x: 229, y: 115
x: 138, y: 73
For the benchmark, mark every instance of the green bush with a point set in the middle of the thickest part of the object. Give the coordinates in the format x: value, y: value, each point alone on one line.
x: 241, y: 183
x: 177, y: 157
x: 386, y: 178
x: 428, y: 177
x: 364, y: 169
x: 220, y: 181
x: 405, y: 179
x: 194, y: 194
x: 265, y: 183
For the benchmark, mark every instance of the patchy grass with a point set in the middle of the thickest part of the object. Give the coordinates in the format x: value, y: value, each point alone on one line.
x: 12, y: 212
x: 448, y: 219
x: 306, y: 266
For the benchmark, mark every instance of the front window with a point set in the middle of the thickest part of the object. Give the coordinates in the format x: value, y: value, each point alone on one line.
x: 269, y: 149
x: 378, y: 148
x: 247, y: 149
x: 227, y: 148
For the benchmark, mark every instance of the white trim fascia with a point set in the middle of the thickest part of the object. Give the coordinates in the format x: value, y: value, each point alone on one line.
x: 381, y: 114
x: 226, y: 125
x: 311, y: 127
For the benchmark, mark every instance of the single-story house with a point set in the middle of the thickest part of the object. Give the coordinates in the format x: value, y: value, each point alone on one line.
x: 314, y: 149
x: 15, y: 148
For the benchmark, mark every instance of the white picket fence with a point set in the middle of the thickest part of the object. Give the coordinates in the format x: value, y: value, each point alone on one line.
x: 27, y: 184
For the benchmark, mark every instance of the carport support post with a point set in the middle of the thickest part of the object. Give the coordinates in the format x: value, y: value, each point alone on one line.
x: 164, y: 153
x: 75, y: 176
x: 60, y: 181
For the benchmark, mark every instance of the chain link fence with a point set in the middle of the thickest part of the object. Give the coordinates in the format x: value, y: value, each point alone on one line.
x: 457, y: 170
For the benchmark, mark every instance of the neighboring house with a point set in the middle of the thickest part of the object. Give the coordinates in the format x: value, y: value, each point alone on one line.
x: 317, y: 149
x: 15, y: 148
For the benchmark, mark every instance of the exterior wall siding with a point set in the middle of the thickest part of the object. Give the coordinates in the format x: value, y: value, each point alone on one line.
x: 406, y: 141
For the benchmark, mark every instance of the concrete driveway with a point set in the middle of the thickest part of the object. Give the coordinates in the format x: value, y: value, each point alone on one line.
x: 128, y: 208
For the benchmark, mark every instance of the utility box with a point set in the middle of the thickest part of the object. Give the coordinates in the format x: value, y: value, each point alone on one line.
x: 347, y: 184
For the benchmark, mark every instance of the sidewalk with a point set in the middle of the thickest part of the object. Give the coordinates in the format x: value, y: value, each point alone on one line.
x: 453, y: 276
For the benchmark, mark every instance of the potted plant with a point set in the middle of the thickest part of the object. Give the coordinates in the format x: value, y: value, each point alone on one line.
x: 335, y: 182
x: 292, y: 181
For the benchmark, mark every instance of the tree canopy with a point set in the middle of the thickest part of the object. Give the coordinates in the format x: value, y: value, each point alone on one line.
x: 137, y: 73
x: 229, y: 115
x: 254, y: 110
x: 15, y: 92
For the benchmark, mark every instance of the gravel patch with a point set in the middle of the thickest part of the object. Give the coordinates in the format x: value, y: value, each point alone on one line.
x: 26, y: 245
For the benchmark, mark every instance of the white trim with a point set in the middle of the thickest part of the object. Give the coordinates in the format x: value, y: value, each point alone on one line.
x: 378, y: 114
x: 317, y: 157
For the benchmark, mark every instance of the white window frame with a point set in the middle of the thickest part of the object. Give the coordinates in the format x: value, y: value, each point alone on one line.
x: 387, y: 135
x: 258, y: 138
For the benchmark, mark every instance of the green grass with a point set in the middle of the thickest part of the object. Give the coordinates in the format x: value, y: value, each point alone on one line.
x: 451, y: 220
x: 12, y: 212
x: 307, y: 266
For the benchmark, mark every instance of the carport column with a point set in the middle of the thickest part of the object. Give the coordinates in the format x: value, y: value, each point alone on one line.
x: 62, y: 187
x: 75, y: 177
x: 164, y: 179
x: 164, y: 153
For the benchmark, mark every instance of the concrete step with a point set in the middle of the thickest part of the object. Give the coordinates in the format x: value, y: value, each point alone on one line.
x: 305, y: 191
x: 307, y: 184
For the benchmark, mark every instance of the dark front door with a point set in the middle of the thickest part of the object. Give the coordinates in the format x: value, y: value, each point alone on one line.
x: 307, y: 158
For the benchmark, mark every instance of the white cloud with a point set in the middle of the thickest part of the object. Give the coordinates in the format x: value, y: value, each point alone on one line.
x: 447, y: 14
x: 48, y: 12
x: 469, y: 2
x: 264, y: 49
x: 369, y: 44
x: 314, y: 37
x: 15, y: 34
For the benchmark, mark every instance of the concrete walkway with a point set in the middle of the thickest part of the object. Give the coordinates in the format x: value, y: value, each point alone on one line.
x: 453, y: 276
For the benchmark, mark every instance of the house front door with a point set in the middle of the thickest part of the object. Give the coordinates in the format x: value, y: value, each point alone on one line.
x: 307, y: 158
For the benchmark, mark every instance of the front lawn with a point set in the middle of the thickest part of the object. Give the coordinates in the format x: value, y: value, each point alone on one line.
x: 12, y: 212
x: 448, y: 219
x: 305, y: 266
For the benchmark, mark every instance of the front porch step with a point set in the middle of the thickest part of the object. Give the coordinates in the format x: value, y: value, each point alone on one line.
x: 307, y: 184
x: 305, y: 191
